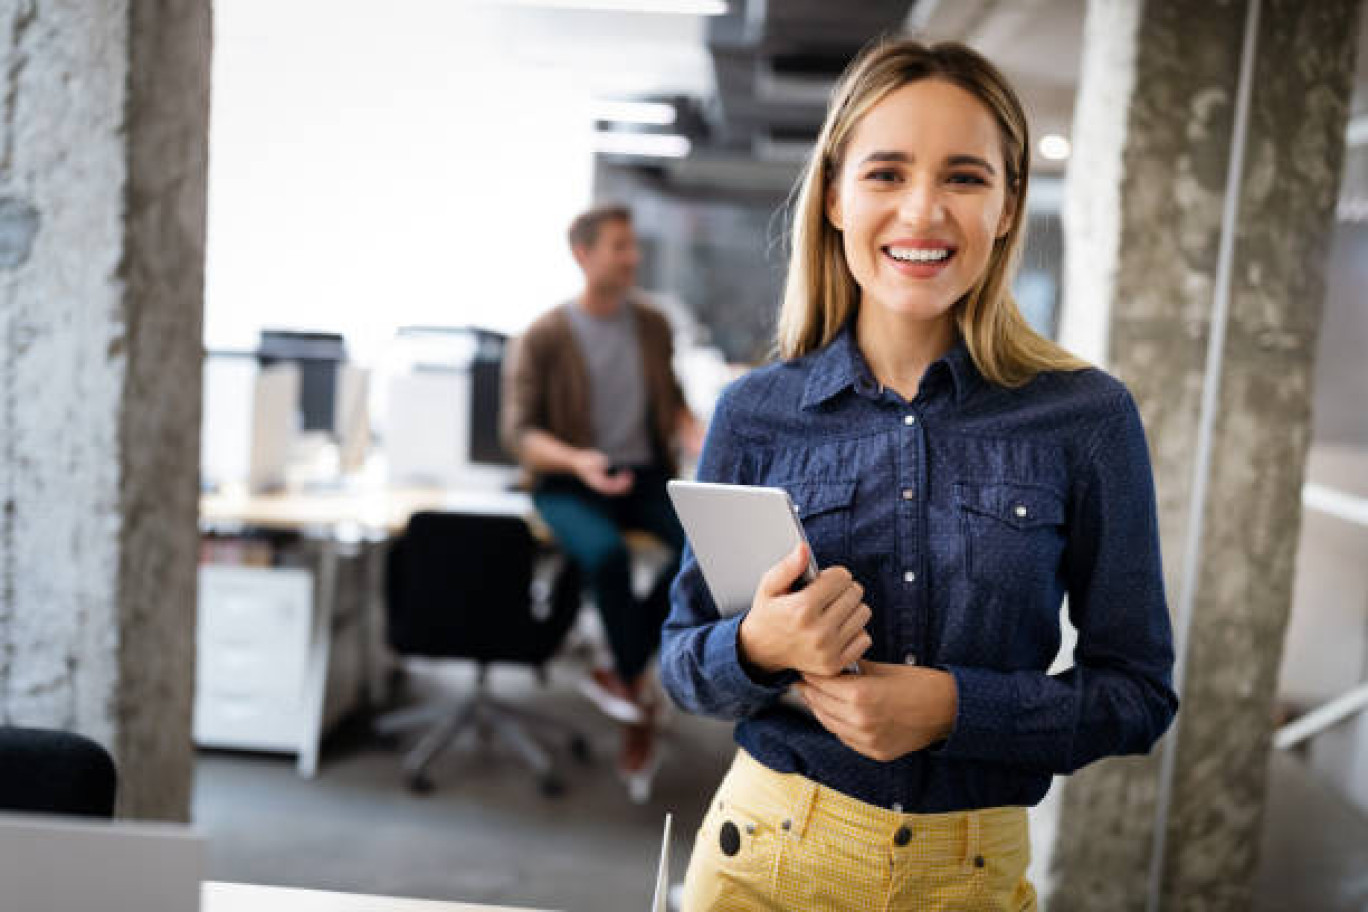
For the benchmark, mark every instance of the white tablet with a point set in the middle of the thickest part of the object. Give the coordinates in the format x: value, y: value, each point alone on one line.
x: 738, y: 532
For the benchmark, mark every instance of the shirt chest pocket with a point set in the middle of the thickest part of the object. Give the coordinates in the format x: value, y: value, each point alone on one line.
x: 1014, y: 534
x: 825, y: 510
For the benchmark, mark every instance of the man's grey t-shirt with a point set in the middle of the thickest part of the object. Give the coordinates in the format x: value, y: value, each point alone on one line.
x: 617, y: 388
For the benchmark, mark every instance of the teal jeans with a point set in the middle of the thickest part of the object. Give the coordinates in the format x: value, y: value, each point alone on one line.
x: 589, y: 527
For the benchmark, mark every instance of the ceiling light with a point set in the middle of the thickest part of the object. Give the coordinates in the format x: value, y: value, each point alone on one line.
x: 651, y: 145
x: 654, y: 113
x: 680, y: 7
x: 1055, y: 147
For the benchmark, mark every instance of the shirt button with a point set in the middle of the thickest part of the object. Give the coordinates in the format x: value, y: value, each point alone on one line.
x: 909, y: 419
x: 1020, y: 511
x: 910, y: 659
x: 902, y: 837
x: 909, y: 494
x: 909, y: 577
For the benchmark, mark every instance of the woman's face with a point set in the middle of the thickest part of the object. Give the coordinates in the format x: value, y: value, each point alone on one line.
x: 920, y: 198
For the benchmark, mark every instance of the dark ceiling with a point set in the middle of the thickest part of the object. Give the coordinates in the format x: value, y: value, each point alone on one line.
x: 775, y: 63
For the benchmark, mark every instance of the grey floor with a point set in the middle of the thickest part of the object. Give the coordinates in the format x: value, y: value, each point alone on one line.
x: 487, y: 835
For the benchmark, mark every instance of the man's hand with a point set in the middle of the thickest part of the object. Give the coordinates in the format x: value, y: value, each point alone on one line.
x: 886, y: 711
x: 591, y: 467
x: 818, y: 629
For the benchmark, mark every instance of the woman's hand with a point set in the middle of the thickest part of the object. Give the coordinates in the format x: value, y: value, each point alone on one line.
x: 886, y: 711
x: 819, y: 629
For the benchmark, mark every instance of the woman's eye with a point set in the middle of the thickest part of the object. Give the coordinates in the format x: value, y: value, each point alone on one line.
x: 882, y: 175
x: 967, y: 178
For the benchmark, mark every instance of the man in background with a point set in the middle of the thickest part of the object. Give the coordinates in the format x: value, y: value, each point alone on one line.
x: 592, y: 410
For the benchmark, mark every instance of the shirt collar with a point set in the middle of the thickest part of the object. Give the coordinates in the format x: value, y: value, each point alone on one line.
x: 840, y: 365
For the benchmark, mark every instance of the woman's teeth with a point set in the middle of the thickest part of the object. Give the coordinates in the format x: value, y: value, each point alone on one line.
x: 918, y: 255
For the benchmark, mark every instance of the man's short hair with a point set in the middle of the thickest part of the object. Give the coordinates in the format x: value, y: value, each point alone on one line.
x: 584, y: 230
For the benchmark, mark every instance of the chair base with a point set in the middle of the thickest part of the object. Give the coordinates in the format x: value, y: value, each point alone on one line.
x: 512, y: 725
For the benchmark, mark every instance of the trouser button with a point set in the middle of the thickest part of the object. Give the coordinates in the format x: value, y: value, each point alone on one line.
x: 902, y: 837
x: 729, y: 839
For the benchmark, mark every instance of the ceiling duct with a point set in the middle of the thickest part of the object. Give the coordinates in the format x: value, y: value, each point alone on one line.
x: 776, y: 62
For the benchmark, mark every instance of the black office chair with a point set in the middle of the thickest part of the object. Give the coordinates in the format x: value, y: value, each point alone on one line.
x: 43, y: 771
x: 461, y: 586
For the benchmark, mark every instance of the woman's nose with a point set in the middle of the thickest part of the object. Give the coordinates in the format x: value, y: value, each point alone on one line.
x: 920, y: 204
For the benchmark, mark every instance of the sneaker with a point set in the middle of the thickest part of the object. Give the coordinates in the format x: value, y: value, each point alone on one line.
x: 606, y: 691
x: 639, y: 761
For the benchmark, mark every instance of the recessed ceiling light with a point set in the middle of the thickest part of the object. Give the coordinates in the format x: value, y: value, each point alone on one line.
x: 1055, y: 147
x: 653, y: 113
x: 650, y: 145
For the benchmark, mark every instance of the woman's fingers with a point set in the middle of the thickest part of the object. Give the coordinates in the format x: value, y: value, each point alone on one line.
x: 780, y: 578
x: 857, y: 647
x: 854, y: 623
x: 854, y: 636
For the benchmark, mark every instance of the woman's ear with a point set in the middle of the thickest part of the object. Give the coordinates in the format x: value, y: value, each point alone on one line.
x: 1008, y: 213
x: 833, y: 206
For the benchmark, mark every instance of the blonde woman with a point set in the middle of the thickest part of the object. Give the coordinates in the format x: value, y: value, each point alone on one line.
x: 957, y: 475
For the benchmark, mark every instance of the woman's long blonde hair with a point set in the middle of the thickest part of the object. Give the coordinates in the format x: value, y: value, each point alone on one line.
x: 820, y: 294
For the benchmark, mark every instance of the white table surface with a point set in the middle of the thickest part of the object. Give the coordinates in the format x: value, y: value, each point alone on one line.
x: 234, y: 897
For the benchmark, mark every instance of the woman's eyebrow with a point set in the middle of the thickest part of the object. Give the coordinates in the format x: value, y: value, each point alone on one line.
x: 887, y: 156
x: 892, y: 155
x: 971, y: 160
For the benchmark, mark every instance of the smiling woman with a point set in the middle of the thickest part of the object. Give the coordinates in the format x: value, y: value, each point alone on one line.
x: 971, y: 474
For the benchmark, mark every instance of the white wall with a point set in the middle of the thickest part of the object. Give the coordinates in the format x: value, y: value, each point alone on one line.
x: 374, y: 165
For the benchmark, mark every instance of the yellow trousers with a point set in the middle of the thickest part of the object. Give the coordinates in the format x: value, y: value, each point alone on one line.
x: 778, y: 841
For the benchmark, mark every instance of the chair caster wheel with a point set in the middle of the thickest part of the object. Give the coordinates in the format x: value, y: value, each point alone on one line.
x: 419, y: 784
x: 579, y: 749
x: 551, y: 786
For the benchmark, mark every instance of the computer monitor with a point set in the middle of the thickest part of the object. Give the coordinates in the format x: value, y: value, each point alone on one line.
x: 226, y: 427
x: 319, y: 355
x: 486, y: 375
x: 442, y: 417
x: 275, y: 426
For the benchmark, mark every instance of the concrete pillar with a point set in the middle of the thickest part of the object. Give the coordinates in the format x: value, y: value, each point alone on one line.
x: 103, y: 160
x: 1156, y: 116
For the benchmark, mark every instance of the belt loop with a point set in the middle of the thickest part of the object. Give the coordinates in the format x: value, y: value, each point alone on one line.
x: 972, y: 838
x: 803, y: 805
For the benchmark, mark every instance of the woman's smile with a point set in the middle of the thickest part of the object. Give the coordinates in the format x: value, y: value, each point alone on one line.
x: 919, y: 259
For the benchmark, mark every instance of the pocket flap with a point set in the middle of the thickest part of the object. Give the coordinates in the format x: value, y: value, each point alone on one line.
x: 1020, y: 506
x: 814, y: 497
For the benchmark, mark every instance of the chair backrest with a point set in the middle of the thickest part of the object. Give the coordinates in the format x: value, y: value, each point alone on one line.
x: 55, y: 772
x: 459, y: 585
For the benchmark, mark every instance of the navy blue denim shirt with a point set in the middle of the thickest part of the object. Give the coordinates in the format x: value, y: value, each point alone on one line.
x: 967, y: 514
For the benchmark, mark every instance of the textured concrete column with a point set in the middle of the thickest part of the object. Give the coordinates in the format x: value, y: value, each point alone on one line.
x: 1166, y: 162
x: 102, y: 211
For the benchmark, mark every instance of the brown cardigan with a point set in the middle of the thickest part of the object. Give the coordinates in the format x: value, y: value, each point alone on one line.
x: 546, y: 383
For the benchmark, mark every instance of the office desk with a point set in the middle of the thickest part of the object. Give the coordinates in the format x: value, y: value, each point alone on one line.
x: 232, y: 897
x: 375, y: 510
x: 335, y: 523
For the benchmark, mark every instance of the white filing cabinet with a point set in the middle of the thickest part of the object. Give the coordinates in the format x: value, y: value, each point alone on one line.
x: 254, y: 630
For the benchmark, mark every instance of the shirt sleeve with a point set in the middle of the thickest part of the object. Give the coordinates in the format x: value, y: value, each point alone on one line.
x: 523, y: 396
x: 700, y: 666
x: 675, y: 390
x: 1118, y: 697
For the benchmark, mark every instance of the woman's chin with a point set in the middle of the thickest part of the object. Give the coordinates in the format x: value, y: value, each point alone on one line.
x: 914, y: 308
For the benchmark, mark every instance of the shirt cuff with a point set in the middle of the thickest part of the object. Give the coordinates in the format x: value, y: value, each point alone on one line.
x: 723, y: 653
x: 984, y: 718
